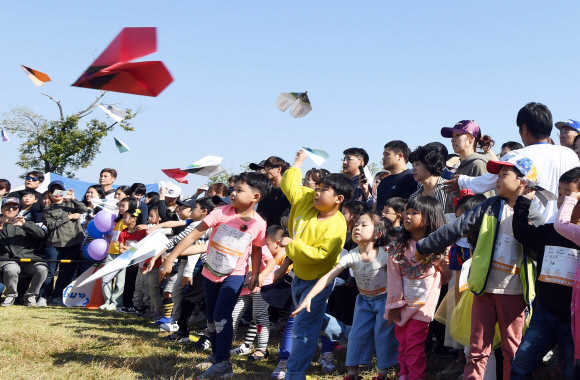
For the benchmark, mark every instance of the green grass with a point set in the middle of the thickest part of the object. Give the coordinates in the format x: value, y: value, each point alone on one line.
x: 72, y: 343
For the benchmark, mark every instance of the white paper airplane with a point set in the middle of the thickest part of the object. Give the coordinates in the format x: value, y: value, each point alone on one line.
x: 209, y: 166
x: 298, y: 100
x: 108, y: 204
x: 316, y: 155
x: 116, y: 113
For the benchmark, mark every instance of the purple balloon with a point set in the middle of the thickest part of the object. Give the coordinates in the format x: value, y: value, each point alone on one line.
x: 97, y: 249
x: 104, y: 221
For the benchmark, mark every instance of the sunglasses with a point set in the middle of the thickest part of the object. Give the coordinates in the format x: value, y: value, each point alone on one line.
x: 9, y: 207
x: 33, y: 179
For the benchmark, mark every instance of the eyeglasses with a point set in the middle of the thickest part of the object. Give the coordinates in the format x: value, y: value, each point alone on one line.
x: 33, y: 179
x: 305, y: 182
x: 347, y: 159
x: 566, y: 132
x: 9, y: 207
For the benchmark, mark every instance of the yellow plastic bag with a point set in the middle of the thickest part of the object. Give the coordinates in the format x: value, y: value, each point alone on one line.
x: 460, y: 328
x: 442, y: 315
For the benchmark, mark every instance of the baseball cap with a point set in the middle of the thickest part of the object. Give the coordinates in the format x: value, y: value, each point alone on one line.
x: 216, y: 199
x: 260, y: 165
x: 188, y: 202
x: 59, y: 183
x: 569, y: 123
x: 9, y: 200
x: 174, y: 191
x: 523, y: 164
x: 464, y: 126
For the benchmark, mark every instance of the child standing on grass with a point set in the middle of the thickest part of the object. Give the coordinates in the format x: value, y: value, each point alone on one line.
x: 501, y: 274
x: 369, y: 330
x: 318, y: 231
x: 238, y: 231
x: 414, y: 285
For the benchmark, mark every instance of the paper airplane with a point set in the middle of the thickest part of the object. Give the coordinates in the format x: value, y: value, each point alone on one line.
x: 144, y: 249
x: 5, y: 137
x: 38, y: 77
x: 121, y: 146
x: 316, y: 155
x: 113, y: 71
x: 109, y: 204
x: 209, y: 166
x: 176, y: 174
x: 116, y: 113
x: 298, y: 100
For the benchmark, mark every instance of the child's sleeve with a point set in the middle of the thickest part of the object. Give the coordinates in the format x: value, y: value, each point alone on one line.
x: 122, y: 236
x: 292, y: 185
x: 563, y: 226
x: 79, y: 206
x: 214, y: 217
x: 395, y: 296
x: 260, y: 239
x: 528, y: 235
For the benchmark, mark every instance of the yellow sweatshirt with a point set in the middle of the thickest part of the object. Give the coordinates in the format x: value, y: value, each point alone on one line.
x: 317, y: 245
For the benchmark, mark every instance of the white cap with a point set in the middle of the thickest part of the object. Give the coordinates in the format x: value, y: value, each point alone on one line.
x: 174, y: 191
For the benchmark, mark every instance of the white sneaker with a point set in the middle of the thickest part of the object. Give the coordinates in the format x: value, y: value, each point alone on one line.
x: 111, y: 307
x: 8, y: 301
x: 242, y: 350
x: 280, y: 371
x: 326, y: 360
x: 169, y: 327
x: 41, y: 302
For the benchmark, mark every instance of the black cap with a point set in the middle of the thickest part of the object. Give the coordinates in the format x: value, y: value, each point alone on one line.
x: 216, y: 199
x: 258, y: 166
x: 187, y: 203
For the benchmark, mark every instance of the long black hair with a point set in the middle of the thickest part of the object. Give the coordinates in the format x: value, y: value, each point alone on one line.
x: 132, y: 205
x: 432, y: 214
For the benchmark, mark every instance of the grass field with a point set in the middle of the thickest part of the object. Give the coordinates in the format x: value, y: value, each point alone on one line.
x: 71, y: 343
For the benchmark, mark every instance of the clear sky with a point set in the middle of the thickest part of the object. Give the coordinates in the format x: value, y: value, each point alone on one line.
x: 375, y: 71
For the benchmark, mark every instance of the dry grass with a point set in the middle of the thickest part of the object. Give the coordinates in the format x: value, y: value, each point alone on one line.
x: 61, y: 343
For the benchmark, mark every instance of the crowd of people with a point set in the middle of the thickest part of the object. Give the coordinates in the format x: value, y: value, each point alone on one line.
x: 466, y: 255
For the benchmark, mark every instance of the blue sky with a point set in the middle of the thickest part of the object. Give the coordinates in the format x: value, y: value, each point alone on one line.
x: 375, y: 71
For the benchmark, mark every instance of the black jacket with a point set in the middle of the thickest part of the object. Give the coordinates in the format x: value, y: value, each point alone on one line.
x: 20, y: 241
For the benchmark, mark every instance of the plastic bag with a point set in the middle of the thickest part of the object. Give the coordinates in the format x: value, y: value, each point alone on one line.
x: 461, y: 322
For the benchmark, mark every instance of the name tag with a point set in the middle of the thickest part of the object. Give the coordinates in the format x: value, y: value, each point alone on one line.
x: 464, y: 275
x: 559, y: 265
x: 507, y: 250
x: 415, y: 291
x: 373, y: 283
x: 226, y: 248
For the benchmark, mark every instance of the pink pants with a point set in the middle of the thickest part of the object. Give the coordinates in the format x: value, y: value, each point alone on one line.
x: 487, y: 310
x: 412, y: 357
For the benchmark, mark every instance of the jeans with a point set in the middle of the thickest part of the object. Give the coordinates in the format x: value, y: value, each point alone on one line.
x: 412, y: 357
x: 113, y: 291
x: 370, y: 331
x: 12, y: 270
x: 66, y: 272
x: 286, y: 344
x: 220, y: 300
x: 307, y: 326
x: 544, y: 332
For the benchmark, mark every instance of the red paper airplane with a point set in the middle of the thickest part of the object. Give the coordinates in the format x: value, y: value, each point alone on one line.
x: 176, y: 174
x: 112, y: 71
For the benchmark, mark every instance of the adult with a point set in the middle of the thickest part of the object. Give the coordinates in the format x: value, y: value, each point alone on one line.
x: 353, y: 159
x: 569, y: 130
x: 272, y: 207
x: 534, y: 123
x: 576, y: 145
x: 4, y: 187
x: 168, y: 202
x: 106, y: 179
x: 465, y: 138
x: 258, y: 167
x: 93, y: 192
x: 428, y: 164
x: 400, y: 182
x: 18, y: 240
x: 32, y: 182
x: 508, y: 147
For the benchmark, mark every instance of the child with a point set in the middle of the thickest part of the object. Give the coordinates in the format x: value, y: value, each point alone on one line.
x: 369, y: 329
x: 501, y: 274
x: 550, y: 323
x: 414, y: 285
x: 393, y: 211
x: 122, y: 192
x: 237, y: 232
x: 28, y: 199
x: 113, y: 290
x: 318, y: 232
x: 46, y: 199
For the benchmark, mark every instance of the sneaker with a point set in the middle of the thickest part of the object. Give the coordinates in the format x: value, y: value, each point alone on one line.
x: 357, y: 377
x: 207, y: 363
x: 111, y: 307
x: 30, y: 301
x: 8, y: 301
x: 102, y: 307
x: 169, y: 327
x: 41, y: 302
x: 452, y: 370
x: 149, y: 314
x: 178, y: 337
x: 326, y: 360
x: 129, y: 310
x: 221, y: 370
x: 242, y: 350
x: 162, y: 320
x: 143, y: 310
x: 203, y: 343
x: 280, y: 371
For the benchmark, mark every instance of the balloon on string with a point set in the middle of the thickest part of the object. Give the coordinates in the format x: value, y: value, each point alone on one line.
x: 94, y: 231
x: 97, y: 250
x: 104, y: 221
x: 86, y: 252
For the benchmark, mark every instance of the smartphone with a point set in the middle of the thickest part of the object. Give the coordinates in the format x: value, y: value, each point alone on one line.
x: 5, y: 219
x: 60, y: 193
x: 361, y: 176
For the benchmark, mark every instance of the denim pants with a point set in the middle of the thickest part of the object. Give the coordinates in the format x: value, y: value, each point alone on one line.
x: 370, y: 331
x: 66, y: 272
x: 220, y: 300
x: 307, y: 326
x: 544, y: 332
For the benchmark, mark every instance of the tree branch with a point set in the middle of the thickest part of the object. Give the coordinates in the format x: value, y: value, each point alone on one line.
x: 93, y: 105
x: 58, y: 104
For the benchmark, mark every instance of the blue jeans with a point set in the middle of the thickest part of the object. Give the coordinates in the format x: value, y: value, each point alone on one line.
x: 67, y: 271
x: 307, y: 326
x: 544, y: 332
x: 369, y: 331
x: 220, y: 300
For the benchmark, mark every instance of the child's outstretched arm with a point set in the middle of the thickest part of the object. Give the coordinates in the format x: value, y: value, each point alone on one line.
x: 320, y: 285
x: 270, y: 265
x: 184, y: 244
x: 170, y: 224
x: 563, y: 223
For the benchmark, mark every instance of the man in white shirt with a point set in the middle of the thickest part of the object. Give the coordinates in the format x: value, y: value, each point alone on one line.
x: 535, y: 126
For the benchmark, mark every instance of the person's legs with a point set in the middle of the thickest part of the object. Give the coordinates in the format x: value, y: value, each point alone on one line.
x: 155, y: 291
x: 566, y: 352
x: 415, y: 350
x: 401, y: 334
x: 286, y: 344
x: 483, y: 320
x: 260, y: 314
x: 177, y: 291
x: 239, y: 308
x: 38, y: 271
x: 66, y: 271
x: 510, y: 315
x: 109, y: 287
x: 10, y: 273
x: 386, y: 344
x: 361, y: 337
x: 306, y: 329
x: 117, y: 296
x: 50, y: 254
x: 138, y: 293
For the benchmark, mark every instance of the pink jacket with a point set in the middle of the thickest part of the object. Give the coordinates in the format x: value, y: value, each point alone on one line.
x: 429, y: 278
x: 563, y: 226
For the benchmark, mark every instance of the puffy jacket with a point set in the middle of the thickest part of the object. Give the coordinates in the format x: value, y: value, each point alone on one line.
x: 62, y: 231
x: 20, y: 241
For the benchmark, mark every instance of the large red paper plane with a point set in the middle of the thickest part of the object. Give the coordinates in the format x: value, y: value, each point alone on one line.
x: 176, y: 174
x: 113, y: 71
